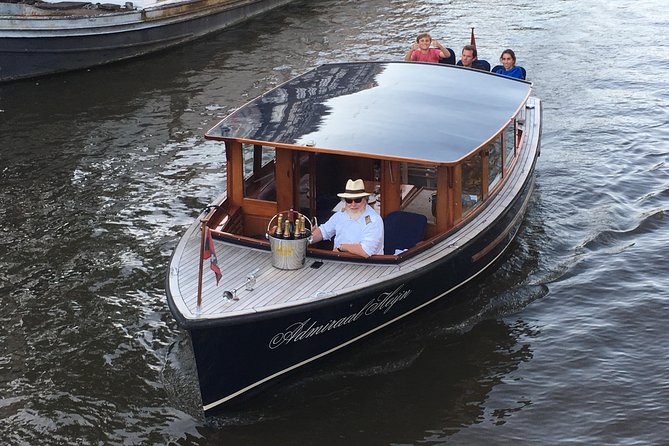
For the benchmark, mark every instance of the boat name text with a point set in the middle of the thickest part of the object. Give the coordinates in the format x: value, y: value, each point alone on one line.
x: 300, y: 331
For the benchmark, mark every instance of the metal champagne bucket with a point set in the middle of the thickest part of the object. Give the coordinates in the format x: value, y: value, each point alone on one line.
x: 288, y: 253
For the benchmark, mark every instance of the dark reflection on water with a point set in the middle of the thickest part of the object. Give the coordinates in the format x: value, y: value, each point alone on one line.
x: 374, y: 378
x: 101, y: 171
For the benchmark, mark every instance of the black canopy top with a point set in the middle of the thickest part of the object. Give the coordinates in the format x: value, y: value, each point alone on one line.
x: 389, y: 110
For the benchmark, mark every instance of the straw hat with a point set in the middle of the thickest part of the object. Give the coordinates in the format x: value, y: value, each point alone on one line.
x: 354, y: 189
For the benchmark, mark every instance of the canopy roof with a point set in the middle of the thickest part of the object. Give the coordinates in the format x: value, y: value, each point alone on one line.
x: 389, y: 110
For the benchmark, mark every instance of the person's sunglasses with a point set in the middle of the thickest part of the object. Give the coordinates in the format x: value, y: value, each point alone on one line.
x: 353, y: 200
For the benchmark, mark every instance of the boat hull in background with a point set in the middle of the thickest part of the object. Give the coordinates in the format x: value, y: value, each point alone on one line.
x: 36, y: 46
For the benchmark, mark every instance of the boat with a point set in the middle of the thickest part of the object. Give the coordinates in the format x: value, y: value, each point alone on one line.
x: 448, y: 155
x: 44, y: 37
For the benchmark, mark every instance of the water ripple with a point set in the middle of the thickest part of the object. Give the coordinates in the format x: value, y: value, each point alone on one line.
x: 102, y: 170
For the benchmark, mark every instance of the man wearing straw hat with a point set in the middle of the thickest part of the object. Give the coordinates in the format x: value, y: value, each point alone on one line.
x: 357, y: 228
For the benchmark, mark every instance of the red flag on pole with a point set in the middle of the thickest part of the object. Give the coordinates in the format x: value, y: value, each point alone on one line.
x: 210, y: 253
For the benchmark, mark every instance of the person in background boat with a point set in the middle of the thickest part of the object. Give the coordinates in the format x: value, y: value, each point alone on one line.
x: 357, y: 228
x: 420, y: 51
x: 468, y: 56
x: 508, y: 67
x: 469, y: 59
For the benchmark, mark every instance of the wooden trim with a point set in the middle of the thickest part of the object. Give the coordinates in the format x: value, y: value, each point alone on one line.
x: 346, y: 153
x: 444, y: 208
x: 521, y: 141
x: 235, y: 173
x: 244, y: 240
x: 510, y: 168
x: 231, y: 220
x: 284, y: 179
x: 259, y: 207
x: 390, y: 187
x: 312, y: 183
x: 455, y: 196
x: 485, y: 171
x: 503, y: 149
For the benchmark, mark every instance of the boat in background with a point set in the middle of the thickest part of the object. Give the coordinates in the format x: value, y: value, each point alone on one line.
x: 449, y: 155
x: 39, y: 38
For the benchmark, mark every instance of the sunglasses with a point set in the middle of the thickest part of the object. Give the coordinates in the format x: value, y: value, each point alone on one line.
x: 353, y: 200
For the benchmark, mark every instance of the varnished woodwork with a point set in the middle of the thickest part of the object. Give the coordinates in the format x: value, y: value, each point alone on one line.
x: 390, y: 187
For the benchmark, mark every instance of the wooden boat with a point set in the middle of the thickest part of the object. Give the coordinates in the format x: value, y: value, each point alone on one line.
x: 450, y: 150
x: 39, y: 38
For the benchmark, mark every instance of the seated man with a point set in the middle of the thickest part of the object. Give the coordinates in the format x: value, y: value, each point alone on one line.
x: 469, y: 59
x: 357, y: 228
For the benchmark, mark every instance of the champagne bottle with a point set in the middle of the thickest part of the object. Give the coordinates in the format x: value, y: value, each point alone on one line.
x: 298, y: 227
x: 286, y: 230
x: 293, y: 222
x: 279, y: 226
x: 303, y: 227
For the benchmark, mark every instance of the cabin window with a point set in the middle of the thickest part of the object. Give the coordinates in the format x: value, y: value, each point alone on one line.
x: 259, y: 172
x: 419, y: 175
x: 419, y: 189
x: 509, y: 144
x: 494, y: 162
x: 305, y: 163
x: 471, y: 183
x: 330, y: 173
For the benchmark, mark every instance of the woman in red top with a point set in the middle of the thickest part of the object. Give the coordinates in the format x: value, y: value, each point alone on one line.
x: 421, y: 51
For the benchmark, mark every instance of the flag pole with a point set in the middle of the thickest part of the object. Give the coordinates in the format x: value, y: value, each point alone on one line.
x: 199, y: 278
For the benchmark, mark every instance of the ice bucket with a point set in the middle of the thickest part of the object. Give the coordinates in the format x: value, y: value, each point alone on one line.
x: 288, y: 252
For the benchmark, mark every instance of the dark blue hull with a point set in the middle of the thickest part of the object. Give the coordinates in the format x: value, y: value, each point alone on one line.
x: 237, y: 355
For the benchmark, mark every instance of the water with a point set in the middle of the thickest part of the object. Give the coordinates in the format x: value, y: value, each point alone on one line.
x: 566, y: 343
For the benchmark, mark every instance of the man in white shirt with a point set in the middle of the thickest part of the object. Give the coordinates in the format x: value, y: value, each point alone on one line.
x: 357, y: 228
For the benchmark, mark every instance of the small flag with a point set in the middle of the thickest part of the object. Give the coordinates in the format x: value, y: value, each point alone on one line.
x: 210, y: 253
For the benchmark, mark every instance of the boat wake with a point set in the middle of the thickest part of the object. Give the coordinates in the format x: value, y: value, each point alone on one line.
x: 617, y: 241
x: 179, y: 377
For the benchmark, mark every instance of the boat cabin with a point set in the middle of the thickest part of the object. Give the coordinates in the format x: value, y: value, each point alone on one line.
x: 431, y: 142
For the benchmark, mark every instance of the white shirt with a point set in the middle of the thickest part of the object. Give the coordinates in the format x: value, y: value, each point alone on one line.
x: 366, y: 230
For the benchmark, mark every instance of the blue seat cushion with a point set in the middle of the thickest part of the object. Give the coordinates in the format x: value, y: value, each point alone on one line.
x: 402, y: 230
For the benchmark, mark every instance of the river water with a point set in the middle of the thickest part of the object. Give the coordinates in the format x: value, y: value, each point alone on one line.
x: 565, y: 343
